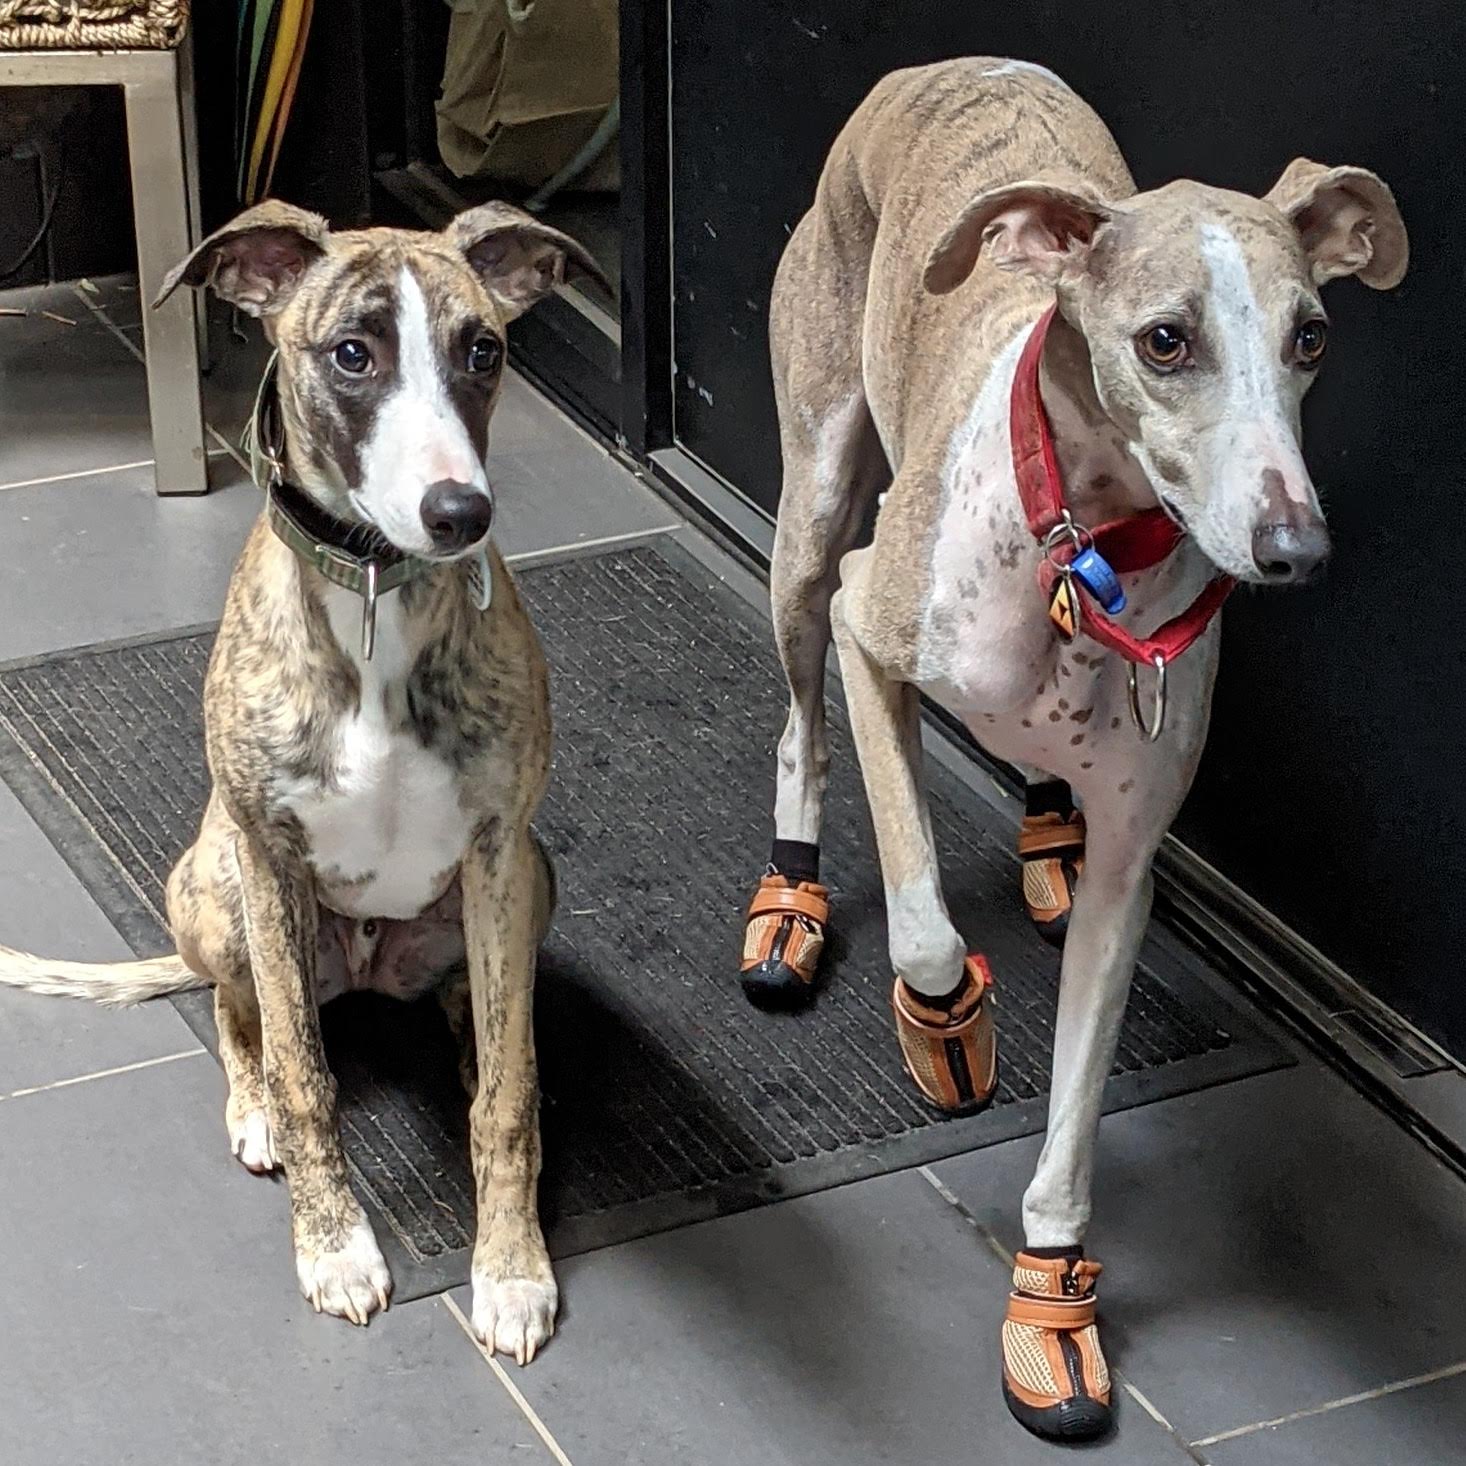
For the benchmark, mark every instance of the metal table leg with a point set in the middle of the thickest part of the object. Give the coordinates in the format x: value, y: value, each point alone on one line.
x: 162, y: 190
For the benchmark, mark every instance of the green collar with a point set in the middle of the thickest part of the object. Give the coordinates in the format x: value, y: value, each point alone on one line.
x: 351, y: 555
x: 322, y: 540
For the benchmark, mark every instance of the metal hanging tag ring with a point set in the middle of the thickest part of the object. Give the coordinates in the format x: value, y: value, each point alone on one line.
x: 1066, y: 529
x: 1152, y: 730
x: 369, y: 611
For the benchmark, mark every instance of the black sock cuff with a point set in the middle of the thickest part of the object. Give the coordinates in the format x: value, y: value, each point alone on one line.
x: 1049, y: 1254
x: 797, y: 859
x: 1053, y: 796
x: 944, y: 1002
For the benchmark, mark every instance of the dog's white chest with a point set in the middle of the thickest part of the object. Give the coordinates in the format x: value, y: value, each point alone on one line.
x: 386, y: 828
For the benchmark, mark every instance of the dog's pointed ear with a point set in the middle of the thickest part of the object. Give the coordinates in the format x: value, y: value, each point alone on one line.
x: 519, y: 258
x: 1038, y: 228
x: 1348, y: 221
x: 256, y: 260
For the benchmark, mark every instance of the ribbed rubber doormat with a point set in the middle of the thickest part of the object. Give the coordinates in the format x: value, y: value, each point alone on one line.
x: 666, y: 1098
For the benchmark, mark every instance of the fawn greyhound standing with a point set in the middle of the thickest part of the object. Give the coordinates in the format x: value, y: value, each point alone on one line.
x: 1053, y: 378
x: 378, y: 732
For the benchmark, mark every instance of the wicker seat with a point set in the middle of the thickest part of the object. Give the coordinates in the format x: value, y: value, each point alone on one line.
x: 144, y: 47
x: 92, y: 25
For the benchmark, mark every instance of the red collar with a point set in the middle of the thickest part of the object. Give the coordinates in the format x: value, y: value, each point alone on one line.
x: 1130, y: 544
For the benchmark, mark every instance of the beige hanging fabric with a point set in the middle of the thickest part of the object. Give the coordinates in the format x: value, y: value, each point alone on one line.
x: 92, y: 25
x: 525, y: 84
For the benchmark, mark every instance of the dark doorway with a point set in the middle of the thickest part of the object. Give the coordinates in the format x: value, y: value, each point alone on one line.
x: 515, y: 100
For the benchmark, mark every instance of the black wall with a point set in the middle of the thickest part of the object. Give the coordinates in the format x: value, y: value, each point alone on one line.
x: 1331, y: 789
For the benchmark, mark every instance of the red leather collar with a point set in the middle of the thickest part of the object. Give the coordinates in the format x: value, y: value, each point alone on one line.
x: 1134, y: 543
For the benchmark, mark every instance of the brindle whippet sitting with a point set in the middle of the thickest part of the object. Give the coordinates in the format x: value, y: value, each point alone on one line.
x: 960, y: 204
x: 369, y: 825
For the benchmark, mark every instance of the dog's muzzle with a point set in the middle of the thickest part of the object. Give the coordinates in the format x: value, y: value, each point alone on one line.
x: 456, y: 516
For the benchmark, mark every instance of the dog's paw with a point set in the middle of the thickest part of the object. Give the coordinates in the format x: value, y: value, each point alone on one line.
x: 252, y: 1143
x: 514, y: 1316
x: 351, y: 1282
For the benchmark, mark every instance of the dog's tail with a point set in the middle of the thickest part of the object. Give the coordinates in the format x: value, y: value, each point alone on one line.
x: 115, y: 983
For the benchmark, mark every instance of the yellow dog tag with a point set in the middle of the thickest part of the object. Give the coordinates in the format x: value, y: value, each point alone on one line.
x: 1064, y: 606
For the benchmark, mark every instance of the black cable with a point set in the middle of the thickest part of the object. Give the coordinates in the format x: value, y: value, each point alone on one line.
x: 47, y: 214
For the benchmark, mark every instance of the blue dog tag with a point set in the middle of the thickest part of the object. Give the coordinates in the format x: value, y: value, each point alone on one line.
x: 1093, y: 572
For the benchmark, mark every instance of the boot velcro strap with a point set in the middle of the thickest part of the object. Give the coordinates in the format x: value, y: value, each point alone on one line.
x: 1035, y: 839
x: 771, y: 900
x: 1051, y: 1313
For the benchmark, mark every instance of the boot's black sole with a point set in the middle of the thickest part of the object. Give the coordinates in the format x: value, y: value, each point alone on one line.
x: 1076, y: 1419
x: 775, y: 987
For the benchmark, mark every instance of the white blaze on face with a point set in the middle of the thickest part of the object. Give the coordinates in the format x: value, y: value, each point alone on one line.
x: 1254, y: 424
x: 1240, y: 330
x: 417, y: 438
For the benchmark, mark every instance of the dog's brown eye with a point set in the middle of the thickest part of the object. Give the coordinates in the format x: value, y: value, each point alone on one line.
x: 484, y: 354
x: 1162, y: 346
x: 1312, y: 338
x: 352, y: 357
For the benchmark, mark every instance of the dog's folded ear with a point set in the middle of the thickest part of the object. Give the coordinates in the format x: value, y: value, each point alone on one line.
x: 256, y: 260
x: 519, y: 258
x: 1037, y: 227
x: 1348, y: 221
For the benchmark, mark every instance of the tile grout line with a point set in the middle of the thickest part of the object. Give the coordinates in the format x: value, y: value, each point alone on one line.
x: 61, y: 478
x: 105, y: 1073
x: 528, y: 559
x: 1190, y: 1448
x: 526, y: 1409
x: 107, y: 469
x: 1451, y: 1371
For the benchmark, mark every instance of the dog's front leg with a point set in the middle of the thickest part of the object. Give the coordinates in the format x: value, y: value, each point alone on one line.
x: 1130, y: 797
x: 514, y: 1293
x: 1111, y: 907
x: 885, y: 716
x: 338, y: 1263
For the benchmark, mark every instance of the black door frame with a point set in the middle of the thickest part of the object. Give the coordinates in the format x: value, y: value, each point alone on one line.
x: 646, y: 230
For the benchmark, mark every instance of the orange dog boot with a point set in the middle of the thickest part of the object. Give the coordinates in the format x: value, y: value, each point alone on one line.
x: 1055, y: 1379
x: 951, y: 1050
x: 783, y: 940
x: 1051, y: 849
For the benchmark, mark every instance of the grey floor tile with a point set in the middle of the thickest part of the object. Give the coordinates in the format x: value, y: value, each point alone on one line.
x: 116, y: 295
x: 73, y: 399
x: 98, y: 558
x: 234, y: 372
x: 845, y: 1329
x: 1270, y: 1245
x: 151, y: 1313
x: 570, y: 498
x: 1425, y: 1426
x: 1442, y: 1099
x: 69, y: 301
x: 526, y: 421
x: 44, y: 909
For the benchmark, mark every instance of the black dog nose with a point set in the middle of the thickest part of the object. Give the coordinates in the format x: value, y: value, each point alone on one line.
x: 1290, y: 552
x: 456, y: 515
